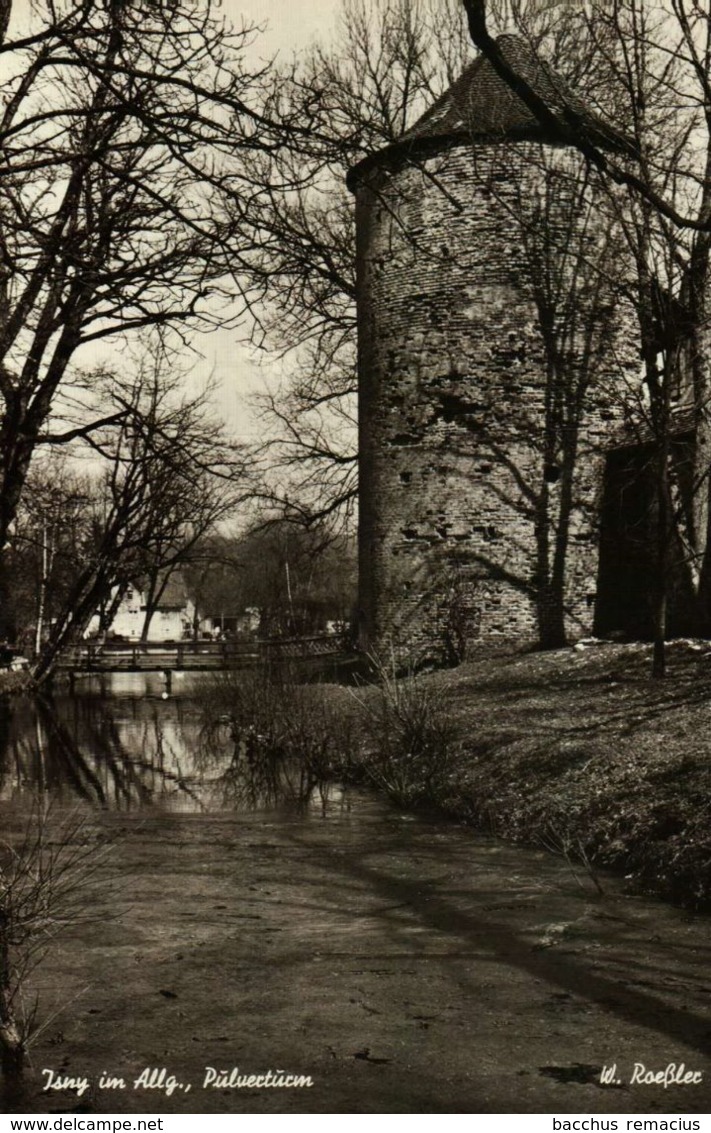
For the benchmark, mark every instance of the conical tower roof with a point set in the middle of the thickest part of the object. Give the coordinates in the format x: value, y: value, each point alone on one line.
x: 481, y: 106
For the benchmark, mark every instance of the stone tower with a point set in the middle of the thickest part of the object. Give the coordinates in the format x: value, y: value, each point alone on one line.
x: 484, y: 417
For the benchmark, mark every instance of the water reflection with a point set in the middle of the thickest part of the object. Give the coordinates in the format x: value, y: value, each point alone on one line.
x: 125, y: 747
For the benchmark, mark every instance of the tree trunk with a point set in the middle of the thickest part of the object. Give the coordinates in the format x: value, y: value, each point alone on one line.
x: 42, y: 600
x: 553, y: 519
x: 109, y: 608
x: 701, y: 533
x: 153, y: 597
x: 18, y: 437
x: 659, y: 659
x: 12, y: 1050
x: 698, y: 300
x: 12, y: 480
x: 91, y: 588
x: 8, y: 626
x: 661, y: 574
x: 151, y: 605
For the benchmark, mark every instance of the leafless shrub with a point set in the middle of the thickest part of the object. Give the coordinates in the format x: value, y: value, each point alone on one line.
x: 409, y: 734
x: 396, y: 735
x: 46, y: 884
x: 572, y: 848
x: 276, y: 721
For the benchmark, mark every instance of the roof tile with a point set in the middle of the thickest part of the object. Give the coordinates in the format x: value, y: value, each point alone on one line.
x: 479, y: 103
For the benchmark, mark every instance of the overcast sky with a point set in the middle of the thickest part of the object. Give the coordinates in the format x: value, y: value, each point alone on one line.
x: 290, y: 23
x: 290, y: 26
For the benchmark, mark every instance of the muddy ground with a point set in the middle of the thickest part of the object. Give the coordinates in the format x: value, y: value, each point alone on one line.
x: 405, y: 964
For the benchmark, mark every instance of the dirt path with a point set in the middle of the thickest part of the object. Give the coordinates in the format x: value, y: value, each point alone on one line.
x: 406, y: 966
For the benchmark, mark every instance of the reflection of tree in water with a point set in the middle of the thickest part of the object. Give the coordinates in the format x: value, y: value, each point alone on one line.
x: 103, y: 767
x: 23, y: 748
x: 127, y: 754
x: 257, y: 776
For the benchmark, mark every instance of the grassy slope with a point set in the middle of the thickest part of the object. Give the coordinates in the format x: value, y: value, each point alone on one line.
x: 581, y: 751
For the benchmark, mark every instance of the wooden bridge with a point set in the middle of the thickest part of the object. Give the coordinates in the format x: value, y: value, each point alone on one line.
x: 191, y: 656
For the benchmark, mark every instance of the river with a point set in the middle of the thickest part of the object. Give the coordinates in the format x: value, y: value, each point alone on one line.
x: 122, y: 744
x: 370, y: 960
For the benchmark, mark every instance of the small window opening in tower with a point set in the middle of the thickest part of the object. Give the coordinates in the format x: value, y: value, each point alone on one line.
x: 551, y: 473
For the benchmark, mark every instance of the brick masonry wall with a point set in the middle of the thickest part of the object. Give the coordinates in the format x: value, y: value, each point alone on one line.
x: 460, y: 509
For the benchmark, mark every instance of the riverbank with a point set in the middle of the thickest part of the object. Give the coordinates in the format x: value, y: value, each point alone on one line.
x: 399, y: 963
x: 577, y: 751
x: 248, y: 914
x: 580, y: 752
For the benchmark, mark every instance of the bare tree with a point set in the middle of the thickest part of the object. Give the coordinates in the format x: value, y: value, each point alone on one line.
x: 390, y: 60
x: 170, y: 476
x: 656, y: 56
x: 48, y: 536
x: 46, y: 883
x: 575, y: 314
x: 120, y: 124
x: 297, y: 579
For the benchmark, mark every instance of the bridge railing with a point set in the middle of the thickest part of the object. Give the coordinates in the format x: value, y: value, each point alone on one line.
x: 130, y: 654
